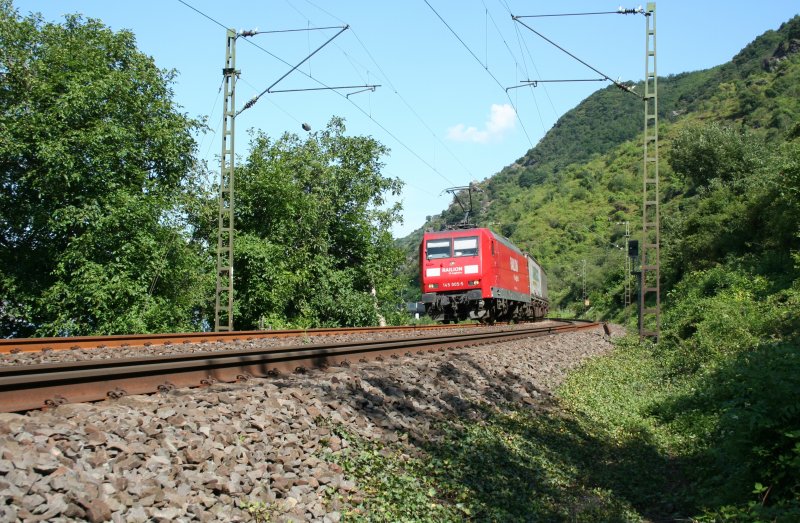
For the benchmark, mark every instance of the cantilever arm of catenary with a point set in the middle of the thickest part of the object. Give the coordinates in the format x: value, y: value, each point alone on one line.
x: 253, y: 100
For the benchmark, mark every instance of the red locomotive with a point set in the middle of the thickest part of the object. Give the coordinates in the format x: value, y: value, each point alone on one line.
x: 478, y: 274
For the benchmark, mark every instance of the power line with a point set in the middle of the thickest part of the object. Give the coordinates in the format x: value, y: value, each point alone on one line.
x: 253, y: 100
x: 210, y: 115
x: 484, y: 68
x: 397, y: 93
x: 392, y: 135
x: 284, y: 111
x: 522, y: 44
x: 411, y: 108
x: 307, y: 29
x: 516, y: 64
x: 203, y: 14
x: 543, y: 37
x: 535, y: 83
x: 385, y: 130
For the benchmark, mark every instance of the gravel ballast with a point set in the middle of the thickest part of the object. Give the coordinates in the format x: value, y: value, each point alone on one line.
x: 204, y: 454
x: 106, y: 353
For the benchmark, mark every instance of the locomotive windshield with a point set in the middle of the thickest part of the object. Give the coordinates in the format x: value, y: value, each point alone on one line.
x: 438, y: 249
x: 465, y: 246
x: 455, y: 248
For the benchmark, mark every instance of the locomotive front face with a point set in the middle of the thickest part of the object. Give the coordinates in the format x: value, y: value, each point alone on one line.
x: 450, y: 263
x: 451, y: 266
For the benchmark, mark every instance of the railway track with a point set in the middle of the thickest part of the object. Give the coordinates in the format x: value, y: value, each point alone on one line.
x: 30, y: 387
x: 16, y: 345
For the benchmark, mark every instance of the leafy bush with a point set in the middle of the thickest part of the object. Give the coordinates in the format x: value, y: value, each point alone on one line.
x: 313, y: 241
x: 714, y: 314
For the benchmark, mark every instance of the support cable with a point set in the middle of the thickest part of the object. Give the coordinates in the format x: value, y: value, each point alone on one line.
x: 307, y: 29
x: 392, y: 135
x: 203, y: 14
x: 387, y: 131
x: 522, y: 124
x: 605, y: 76
x: 620, y: 11
x: 210, y: 115
x: 396, y: 92
x: 517, y: 67
x: 414, y: 111
x: 281, y: 109
x: 535, y: 83
x: 253, y: 100
x: 523, y: 48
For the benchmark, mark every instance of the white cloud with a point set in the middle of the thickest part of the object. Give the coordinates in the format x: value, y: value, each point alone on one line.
x: 501, y: 119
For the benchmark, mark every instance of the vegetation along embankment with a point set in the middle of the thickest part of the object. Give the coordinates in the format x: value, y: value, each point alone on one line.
x: 705, y: 424
x: 106, y: 226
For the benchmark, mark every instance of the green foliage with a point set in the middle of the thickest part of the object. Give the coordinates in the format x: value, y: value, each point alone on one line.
x: 514, y: 464
x: 713, y: 405
x: 313, y: 235
x: 729, y: 346
x: 720, y: 429
x: 714, y: 152
x: 396, y: 486
x: 735, y: 342
x: 260, y: 511
x: 95, y: 171
x: 587, y: 170
x: 745, y: 206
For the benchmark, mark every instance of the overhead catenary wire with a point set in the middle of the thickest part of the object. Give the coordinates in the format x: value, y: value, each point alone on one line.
x: 213, y: 131
x: 387, y: 131
x: 293, y: 69
x: 522, y: 124
x: 398, y: 94
x: 535, y: 83
x: 307, y: 29
x: 523, y: 47
x: 617, y: 12
x: 543, y: 37
x: 350, y: 59
x: 281, y: 109
x: 516, y: 64
x: 203, y: 14
x: 392, y: 135
x: 414, y: 111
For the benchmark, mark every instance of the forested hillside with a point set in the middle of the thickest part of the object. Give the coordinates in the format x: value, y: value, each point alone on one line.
x: 706, y: 420
x: 563, y: 200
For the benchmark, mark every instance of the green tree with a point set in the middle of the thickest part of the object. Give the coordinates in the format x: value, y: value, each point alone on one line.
x: 313, y: 237
x: 744, y: 202
x: 95, y: 166
x: 702, y: 153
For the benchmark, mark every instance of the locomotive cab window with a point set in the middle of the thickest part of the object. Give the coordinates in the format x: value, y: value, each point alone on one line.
x: 465, y: 246
x: 437, y: 249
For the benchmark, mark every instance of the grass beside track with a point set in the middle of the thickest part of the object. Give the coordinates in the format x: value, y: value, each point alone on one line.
x: 591, y: 456
x: 624, y: 440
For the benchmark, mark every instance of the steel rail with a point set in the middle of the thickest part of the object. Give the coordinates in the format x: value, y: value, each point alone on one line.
x: 15, y: 345
x: 26, y: 387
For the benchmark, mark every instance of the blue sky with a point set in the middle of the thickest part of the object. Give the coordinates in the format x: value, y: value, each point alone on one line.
x: 441, y: 108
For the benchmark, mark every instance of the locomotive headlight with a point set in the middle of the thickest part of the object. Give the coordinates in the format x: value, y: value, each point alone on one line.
x: 433, y: 285
x: 474, y: 282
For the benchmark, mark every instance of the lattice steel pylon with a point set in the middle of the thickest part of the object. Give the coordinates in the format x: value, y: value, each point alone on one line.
x: 626, y: 299
x: 223, y: 311
x: 650, y: 251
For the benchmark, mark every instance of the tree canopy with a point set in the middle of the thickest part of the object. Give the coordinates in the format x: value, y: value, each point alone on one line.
x: 95, y: 163
x: 313, y: 240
